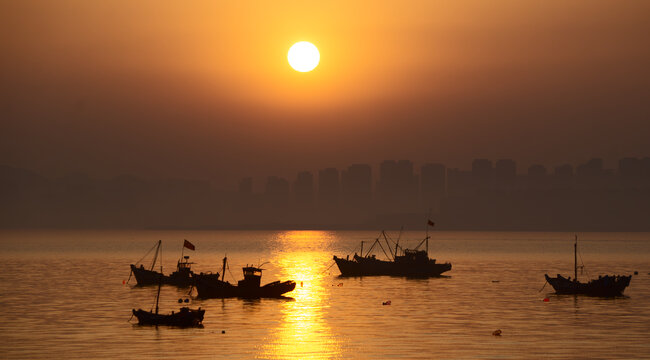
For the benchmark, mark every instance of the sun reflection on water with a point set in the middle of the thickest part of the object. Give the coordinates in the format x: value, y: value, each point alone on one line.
x: 303, y: 332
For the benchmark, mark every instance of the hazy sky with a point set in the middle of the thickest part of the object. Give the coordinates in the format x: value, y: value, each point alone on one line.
x: 203, y: 89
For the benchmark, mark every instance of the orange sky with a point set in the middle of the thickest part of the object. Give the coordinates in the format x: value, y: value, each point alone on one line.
x: 203, y: 88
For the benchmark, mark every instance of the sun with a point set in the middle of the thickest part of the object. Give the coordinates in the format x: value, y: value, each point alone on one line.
x: 303, y: 56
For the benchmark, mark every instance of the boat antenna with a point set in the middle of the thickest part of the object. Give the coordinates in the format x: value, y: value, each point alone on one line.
x: 575, y: 259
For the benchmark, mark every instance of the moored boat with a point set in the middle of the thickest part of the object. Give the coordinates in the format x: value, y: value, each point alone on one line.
x: 210, y: 286
x: 185, y: 317
x: 410, y: 262
x: 182, y: 277
x: 604, y: 286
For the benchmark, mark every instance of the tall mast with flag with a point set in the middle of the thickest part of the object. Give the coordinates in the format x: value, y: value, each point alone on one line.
x: 187, y: 244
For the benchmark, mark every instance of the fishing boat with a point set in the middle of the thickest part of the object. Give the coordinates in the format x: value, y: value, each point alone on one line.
x: 408, y: 262
x: 185, y: 317
x: 604, y: 286
x: 182, y: 277
x: 210, y: 286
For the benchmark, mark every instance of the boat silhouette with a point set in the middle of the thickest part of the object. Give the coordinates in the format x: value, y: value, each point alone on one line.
x: 185, y: 317
x: 410, y: 262
x: 604, y: 286
x: 211, y: 286
x: 182, y: 277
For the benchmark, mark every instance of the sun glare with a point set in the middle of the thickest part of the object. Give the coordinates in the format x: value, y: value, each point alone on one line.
x: 303, y: 56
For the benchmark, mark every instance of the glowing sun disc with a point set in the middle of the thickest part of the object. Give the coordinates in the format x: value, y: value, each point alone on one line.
x: 303, y: 56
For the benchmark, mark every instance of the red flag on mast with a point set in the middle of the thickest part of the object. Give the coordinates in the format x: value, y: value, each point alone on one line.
x: 430, y: 223
x: 189, y: 245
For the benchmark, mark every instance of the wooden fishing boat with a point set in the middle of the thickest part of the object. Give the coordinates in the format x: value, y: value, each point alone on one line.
x: 210, y: 286
x: 185, y: 317
x: 605, y: 286
x: 182, y: 277
x: 410, y: 262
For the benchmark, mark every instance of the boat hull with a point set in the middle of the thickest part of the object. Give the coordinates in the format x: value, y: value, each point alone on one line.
x: 208, y: 286
x: 148, y: 277
x: 186, y: 317
x: 607, y: 286
x: 370, y: 266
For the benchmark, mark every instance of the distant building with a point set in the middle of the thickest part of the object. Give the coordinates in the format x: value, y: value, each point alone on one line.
x: 433, y: 184
x: 397, y: 186
x: 482, y: 173
x: 277, y: 191
x: 505, y: 174
x: 245, y: 188
x: 563, y: 176
x: 303, y: 189
x: 356, y: 183
x: 459, y: 183
x: 328, y: 188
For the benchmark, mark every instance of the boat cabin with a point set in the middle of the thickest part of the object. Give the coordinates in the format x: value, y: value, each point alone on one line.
x: 252, y: 276
x: 184, y: 266
x: 413, y: 256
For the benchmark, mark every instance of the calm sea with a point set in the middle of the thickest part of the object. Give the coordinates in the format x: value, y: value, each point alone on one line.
x: 62, y: 296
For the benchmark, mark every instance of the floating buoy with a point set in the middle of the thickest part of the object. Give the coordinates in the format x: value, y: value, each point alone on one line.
x: 386, y: 302
x: 497, y: 332
x: 223, y: 331
x: 636, y: 273
x: 547, y: 299
x: 180, y: 301
x: 187, y: 300
x: 340, y: 284
x: 301, y: 284
x: 123, y: 282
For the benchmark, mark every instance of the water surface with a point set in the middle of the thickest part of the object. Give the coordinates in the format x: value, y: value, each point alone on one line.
x: 62, y: 296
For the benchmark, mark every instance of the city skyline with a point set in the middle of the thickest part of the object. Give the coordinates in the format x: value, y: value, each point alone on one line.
x: 488, y: 195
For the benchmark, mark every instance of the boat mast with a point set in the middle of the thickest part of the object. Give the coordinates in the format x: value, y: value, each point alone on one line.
x: 427, y: 238
x: 159, y: 285
x: 575, y: 259
x: 362, y: 248
x: 155, y: 256
x: 223, y: 268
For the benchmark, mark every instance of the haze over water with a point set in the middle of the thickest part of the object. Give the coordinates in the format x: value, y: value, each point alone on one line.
x: 62, y: 296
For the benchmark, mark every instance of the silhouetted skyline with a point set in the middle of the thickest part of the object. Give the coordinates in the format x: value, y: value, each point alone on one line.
x: 489, y: 195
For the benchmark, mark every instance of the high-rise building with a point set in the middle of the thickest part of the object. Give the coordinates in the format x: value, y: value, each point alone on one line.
x: 398, y: 186
x: 505, y: 174
x: 482, y: 173
x: 328, y: 188
x: 356, y: 183
x: 245, y: 188
x: 303, y: 189
x: 433, y: 184
x: 277, y: 191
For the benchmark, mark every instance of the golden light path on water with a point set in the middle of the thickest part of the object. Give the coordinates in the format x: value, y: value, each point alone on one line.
x: 304, y: 332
